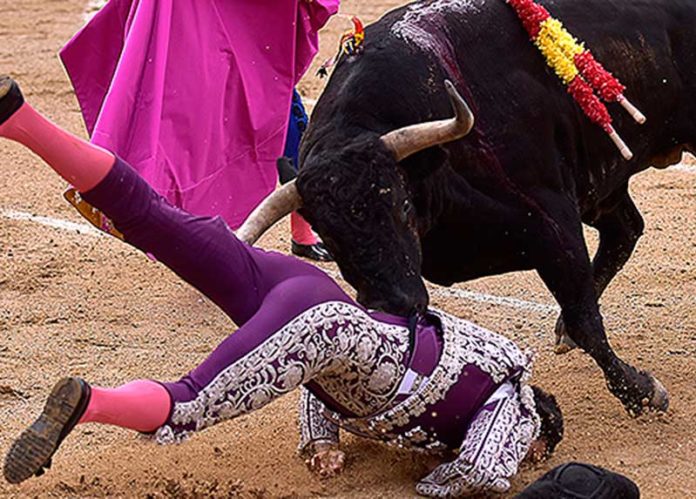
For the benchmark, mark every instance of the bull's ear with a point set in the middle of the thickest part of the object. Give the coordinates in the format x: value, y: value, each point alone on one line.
x: 424, y: 163
x: 286, y: 170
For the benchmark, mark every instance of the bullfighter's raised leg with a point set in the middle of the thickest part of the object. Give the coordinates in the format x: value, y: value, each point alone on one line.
x: 201, y: 250
x: 566, y: 269
x: 620, y: 226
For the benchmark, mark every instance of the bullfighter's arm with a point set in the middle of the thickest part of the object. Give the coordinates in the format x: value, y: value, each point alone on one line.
x: 496, y: 442
x: 318, y: 437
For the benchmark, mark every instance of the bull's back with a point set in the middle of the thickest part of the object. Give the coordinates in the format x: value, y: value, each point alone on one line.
x: 527, y: 125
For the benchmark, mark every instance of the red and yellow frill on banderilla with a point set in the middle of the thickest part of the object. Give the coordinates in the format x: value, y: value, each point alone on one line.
x: 587, y: 80
x: 351, y: 44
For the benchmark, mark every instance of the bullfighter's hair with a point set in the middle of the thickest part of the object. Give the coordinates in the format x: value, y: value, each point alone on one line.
x: 551, y: 419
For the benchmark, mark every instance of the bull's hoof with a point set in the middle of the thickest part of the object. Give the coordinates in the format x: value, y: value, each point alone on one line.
x: 660, y: 398
x: 564, y: 345
x: 563, y: 342
x: 656, y: 400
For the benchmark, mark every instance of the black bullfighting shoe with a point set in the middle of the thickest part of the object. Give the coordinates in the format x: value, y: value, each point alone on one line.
x: 11, y: 98
x: 31, y: 453
x: 316, y: 252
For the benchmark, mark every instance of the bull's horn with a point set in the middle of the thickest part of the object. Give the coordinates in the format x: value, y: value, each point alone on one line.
x: 411, y: 139
x: 272, y: 209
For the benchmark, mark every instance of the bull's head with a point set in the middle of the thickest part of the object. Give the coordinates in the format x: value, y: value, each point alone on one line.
x: 356, y: 198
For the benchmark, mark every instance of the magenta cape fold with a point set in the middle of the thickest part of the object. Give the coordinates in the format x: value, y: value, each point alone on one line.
x: 196, y: 94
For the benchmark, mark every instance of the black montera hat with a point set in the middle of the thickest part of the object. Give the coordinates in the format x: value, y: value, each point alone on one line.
x: 581, y: 481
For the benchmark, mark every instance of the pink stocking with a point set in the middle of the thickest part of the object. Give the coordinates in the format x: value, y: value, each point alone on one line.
x: 82, y: 164
x: 301, y: 230
x: 140, y: 405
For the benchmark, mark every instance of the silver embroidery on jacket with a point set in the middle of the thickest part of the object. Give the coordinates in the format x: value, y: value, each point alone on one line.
x: 464, y: 343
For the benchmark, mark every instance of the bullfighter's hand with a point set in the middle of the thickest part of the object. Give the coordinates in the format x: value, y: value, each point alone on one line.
x: 326, y: 461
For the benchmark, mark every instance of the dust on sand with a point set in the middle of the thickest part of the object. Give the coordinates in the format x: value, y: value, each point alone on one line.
x: 91, y: 306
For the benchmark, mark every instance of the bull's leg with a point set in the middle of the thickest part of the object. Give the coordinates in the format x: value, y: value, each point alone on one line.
x: 619, y: 230
x: 564, y: 265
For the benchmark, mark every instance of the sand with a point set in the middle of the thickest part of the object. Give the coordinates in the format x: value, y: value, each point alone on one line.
x: 75, y: 304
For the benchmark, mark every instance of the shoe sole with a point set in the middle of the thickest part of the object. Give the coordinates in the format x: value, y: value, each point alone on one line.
x: 5, y: 85
x: 11, y: 98
x: 33, y: 450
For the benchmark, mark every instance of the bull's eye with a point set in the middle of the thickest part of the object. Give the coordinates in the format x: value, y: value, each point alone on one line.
x: 406, y: 210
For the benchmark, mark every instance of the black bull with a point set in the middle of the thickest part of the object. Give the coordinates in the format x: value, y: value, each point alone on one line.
x: 514, y: 193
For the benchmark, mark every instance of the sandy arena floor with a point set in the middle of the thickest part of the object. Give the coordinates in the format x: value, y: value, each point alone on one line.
x: 78, y: 304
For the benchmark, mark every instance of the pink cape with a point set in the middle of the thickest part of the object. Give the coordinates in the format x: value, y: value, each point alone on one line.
x: 196, y: 94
